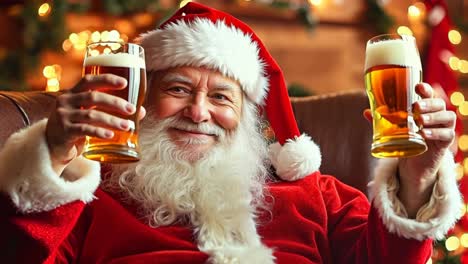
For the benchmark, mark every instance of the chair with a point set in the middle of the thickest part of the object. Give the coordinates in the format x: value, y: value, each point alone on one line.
x: 333, y: 121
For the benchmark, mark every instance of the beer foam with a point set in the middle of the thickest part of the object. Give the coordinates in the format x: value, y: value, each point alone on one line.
x: 392, y: 52
x: 115, y: 60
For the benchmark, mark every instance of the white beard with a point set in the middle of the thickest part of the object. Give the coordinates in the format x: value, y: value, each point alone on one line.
x: 218, y: 192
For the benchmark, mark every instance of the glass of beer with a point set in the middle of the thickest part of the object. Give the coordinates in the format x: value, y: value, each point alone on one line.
x: 126, y: 60
x: 392, y: 70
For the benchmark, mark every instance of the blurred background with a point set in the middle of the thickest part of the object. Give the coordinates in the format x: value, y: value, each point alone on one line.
x: 320, y: 45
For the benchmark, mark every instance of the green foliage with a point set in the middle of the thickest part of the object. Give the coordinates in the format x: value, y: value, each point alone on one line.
x: 121, y: 7
x: 380, y: 20
x: 297, y: 90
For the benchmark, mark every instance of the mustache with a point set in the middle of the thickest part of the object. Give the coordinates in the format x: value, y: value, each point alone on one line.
x: 202, y: 128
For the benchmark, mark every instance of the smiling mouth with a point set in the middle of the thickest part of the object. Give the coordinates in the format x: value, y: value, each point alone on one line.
x: 193, y: 132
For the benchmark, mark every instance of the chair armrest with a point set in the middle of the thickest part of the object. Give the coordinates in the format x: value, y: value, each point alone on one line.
x: 335, y: 122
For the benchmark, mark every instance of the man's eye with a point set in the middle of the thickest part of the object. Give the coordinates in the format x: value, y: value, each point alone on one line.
x: 178, y: 90
x: 220, y: 97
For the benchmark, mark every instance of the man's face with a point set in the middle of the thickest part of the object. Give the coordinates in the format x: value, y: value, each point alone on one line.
x: 196, y: 96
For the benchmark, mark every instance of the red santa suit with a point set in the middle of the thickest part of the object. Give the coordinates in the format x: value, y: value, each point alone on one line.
x: 51, y: 219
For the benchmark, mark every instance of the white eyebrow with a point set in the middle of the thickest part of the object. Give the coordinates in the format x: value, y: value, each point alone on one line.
x: 226, y: 86
x: 175, y: 77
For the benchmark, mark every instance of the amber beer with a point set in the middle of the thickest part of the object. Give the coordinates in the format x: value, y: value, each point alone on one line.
x: 123, y: 147
x: 392, y: 70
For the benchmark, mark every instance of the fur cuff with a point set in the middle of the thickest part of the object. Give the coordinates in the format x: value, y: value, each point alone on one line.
x: 296, y: 158
x: 26, y: 173
x: 434, y: 219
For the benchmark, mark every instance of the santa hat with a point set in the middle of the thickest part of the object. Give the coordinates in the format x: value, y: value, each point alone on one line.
x: 197, y: 35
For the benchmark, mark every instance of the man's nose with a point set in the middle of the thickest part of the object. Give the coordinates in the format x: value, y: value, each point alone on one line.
x: 198, y: 109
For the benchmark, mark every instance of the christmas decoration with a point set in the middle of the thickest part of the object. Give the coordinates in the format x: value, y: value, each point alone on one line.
x: 439, y: 72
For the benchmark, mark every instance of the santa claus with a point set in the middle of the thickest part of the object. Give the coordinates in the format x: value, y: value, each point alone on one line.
x: 203, y: 190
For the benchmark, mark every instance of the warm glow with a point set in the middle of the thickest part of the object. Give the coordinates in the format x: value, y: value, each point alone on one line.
x: 44, y: 9
x: 67, y: 45
x: 74, y: 38
x: 463, y: 66
x: 463, y: 142
x: 459, y: 171
x: 315, y: 2
x: 452, y: 243
x: 94, y: 52
x: 465, y: 165
x: 413, y: 11
x: 114, y: 35
x: 454, y: 63
x: 80, y: 46
x: 464, y: 240
x: 403, y: 30
x: 115, y: 46
x: 83, y: 36
x: 143, y: 19
x: 454, y: 37
x: 48, y: 71
x: 124, y: 38
x: 106, y: 51
x: 184, y: 2
x: 463, y: 108
x: 463, y: 212
x: 457, y: 98
x: 124, y: 26
x: 52, y: 82
x: 96, y: 36
x: 105, y: 35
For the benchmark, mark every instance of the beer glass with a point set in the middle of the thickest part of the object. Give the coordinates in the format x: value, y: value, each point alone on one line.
x: 126, y: 60
x: 392, y: 69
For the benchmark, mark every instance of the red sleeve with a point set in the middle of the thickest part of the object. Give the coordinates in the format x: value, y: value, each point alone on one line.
x: 37, y: 237
x: 357, y: 233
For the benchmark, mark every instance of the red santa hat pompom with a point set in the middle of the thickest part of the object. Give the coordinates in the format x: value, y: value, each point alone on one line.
x: 200, y: 36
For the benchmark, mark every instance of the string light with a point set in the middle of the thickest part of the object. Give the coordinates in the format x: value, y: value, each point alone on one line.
x: 463, y: 66
x: 452, y: 243
x: 464, y: 240
x: 454, y: 63
x: 52, y: 74
x: 463, y: 109
x: 78, y: 41
x: 413, y: 11
x: 404, y: 30
x: 465, y: 165
x: 44, y: 10
x: 457, y: 98
x: 315, y: 2
x: 454, y: 37
x: 463, y: 142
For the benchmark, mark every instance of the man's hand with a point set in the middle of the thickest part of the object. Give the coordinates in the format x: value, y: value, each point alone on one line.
x: 418, y: 174
x: 86, y: 110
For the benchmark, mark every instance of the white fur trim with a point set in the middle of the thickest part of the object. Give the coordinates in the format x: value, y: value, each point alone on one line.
x: 296, y: 158
x: 202, y: 43
x: 241, y: 254
x: 445, y: 202
x: 26, y: 173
